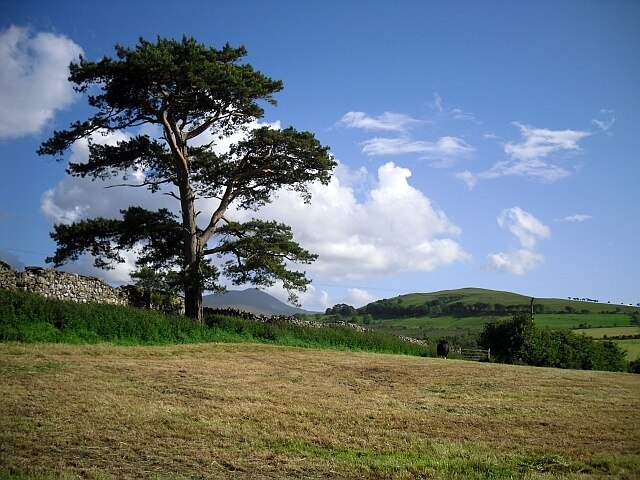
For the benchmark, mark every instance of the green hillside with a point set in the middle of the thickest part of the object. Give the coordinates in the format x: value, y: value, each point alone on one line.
x: 460, y: 315
x: 468, y: 296
x: 479, y: 301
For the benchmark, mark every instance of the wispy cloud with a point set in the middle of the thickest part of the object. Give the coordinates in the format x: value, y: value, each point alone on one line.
x: 388, y: 121
x: 539, y: 143
x: 528, y: 230
x: 580, y: 217
x: 607, y: 123
x: 443, y: 110
x: 534, y: 156
x: 537, y: 169
x: 436, y: 104
x: 444, y: 147
x: 515, y: 262
x: 443, y: 151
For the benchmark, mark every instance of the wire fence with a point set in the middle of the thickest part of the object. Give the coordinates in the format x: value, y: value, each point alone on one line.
x: 473, y: 354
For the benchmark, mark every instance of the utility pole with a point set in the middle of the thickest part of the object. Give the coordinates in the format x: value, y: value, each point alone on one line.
x: 532, y: 299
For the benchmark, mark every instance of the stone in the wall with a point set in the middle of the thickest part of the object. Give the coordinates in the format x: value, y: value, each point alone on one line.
x: 8, y: 276
x: 80, y: 289
x: 60, y: 285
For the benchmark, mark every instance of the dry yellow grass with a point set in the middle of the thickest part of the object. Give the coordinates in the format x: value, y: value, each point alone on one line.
x: 255, y: 411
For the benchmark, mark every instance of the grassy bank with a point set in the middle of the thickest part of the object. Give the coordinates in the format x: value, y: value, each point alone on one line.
x: 31, y: 318
x: 257, y: 411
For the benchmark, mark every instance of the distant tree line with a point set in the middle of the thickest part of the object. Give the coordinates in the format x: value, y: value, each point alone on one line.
x: 584, y: 299
x: 449, y: 305
x: 347, y: 313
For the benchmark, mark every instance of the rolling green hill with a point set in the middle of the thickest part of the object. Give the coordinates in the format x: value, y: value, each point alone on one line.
x: 474, y: 301
x: 461, y: 314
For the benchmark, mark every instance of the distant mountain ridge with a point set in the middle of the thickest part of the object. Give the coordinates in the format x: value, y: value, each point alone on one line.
x: 251, y: 300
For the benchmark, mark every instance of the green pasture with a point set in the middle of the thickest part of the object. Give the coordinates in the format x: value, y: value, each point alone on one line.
x: 571, y: 321
x: 608, y: 331
x: 631, y: 346
x: 439, y: 322
x: 552, y: 321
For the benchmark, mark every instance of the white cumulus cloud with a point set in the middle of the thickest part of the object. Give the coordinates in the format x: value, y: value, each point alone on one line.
x: 394, y: 228
x: 77, y: 198
x: 358, y: 297
x: 33, y: 79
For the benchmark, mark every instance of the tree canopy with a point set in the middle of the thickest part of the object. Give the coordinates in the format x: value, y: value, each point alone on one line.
x: 197, y: 97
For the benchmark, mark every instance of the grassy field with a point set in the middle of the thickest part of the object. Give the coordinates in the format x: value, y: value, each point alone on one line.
x: 258, y: 411
x: 569, y: 321
x: 632, y: 346
x: 609, y: 332
x: 439, y: 322
x: 444, y: 325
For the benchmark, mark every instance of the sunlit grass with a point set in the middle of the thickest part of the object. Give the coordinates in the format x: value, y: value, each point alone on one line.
x: 259, y: 411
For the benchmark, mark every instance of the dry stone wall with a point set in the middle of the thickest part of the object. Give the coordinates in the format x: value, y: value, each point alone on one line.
x: 234, y: 312
x: 8, y: 276
x: 61, y: 285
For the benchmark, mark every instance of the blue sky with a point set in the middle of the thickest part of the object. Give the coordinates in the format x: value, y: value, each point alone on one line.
x: 484, y: 144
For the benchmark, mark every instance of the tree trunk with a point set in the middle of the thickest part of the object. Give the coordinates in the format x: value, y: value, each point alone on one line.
x: 192, y: 280
x: 193, y: 303
x: 191, y: 248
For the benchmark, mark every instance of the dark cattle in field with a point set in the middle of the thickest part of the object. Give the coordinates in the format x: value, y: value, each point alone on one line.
x: 443, y: 348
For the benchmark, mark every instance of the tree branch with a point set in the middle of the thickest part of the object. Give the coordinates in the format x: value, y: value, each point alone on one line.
x: 144, y: 184
x: 170, y: 136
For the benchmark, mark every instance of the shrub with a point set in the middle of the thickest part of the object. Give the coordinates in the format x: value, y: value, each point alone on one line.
x: 519, y: 341
x: 507, y: 338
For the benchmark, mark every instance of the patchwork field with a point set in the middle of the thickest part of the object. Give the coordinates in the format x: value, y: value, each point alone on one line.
x: 607, y: 332
x: 631, y: 346
x: 444, y: 325
x: 256, y: 411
